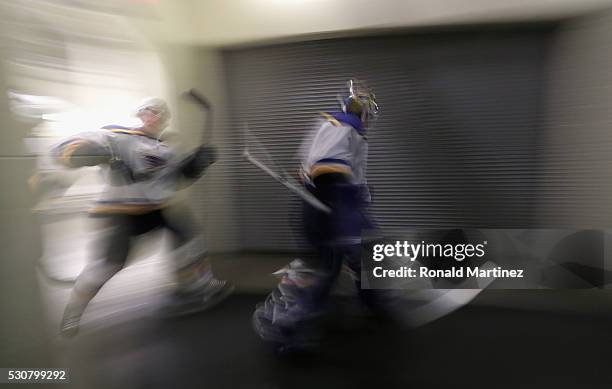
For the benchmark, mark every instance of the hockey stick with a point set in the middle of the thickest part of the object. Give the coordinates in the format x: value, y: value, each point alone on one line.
x: 281, y: 176
x: 198, y: 98
x: 295, y: 188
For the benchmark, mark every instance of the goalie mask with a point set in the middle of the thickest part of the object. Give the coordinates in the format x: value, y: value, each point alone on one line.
x: 361, y: 101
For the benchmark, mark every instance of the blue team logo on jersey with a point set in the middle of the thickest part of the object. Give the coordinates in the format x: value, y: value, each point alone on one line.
x: 153, y: 162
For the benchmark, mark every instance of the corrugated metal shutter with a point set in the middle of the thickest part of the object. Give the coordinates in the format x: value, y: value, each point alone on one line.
x: 455, y: 145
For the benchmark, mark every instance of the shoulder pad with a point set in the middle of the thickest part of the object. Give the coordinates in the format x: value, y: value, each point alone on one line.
x: 116, y: 127
x: 123, y: 130
x: 331, y: 119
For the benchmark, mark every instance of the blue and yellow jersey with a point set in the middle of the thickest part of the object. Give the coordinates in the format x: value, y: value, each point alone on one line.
x: 144, y: 181
x: 339, y: 146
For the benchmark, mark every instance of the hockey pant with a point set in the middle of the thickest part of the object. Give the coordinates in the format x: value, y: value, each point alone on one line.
x: 113, y: 242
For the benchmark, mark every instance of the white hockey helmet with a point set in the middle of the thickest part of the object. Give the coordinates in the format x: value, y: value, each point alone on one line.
x: 158, y: 106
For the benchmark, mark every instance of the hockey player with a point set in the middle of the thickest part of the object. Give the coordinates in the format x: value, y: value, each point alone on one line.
x: 334, y: 171
x: 142, y: 174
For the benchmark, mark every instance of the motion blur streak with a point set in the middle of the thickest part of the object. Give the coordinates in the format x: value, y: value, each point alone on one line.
x: 494, y: 115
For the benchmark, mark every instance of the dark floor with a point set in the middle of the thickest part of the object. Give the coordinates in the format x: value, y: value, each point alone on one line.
x: 474, y: 347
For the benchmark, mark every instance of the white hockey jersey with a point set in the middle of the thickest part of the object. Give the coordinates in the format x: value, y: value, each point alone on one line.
x: 339, y: 146
x: 151, y: 182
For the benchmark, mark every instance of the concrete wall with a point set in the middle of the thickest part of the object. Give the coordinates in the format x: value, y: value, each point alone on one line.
x: 229, y: 22
x: 213, y: 196
x: 23, y: 342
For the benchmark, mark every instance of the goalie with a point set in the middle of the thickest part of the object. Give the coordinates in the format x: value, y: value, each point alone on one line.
x: 334, y: 167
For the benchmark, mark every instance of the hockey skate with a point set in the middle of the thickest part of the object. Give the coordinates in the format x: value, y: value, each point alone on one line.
x: 182, y: 304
